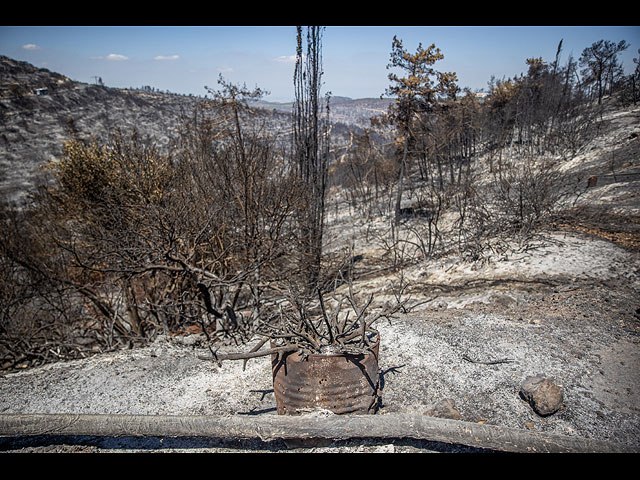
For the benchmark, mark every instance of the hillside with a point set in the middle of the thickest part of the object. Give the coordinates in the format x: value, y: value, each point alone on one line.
x: 33, y: 127
x: 562, y: 303
x: 343, y: 110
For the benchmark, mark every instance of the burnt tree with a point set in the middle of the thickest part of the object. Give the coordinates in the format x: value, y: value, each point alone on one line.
x: 310, y: 148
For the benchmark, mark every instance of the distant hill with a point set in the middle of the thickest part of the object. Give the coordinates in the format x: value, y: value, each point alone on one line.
x: 17, y: 77
x: 34, y: 122
x: 39, y: 107
x: 345, y: 110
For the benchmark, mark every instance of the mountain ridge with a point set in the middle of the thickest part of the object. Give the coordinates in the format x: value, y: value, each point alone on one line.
x: 39, y: 108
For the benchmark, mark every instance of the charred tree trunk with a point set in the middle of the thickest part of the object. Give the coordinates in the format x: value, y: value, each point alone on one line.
x: 310, y: 149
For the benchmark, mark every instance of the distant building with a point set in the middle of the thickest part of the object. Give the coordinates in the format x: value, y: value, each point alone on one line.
x: 42, y: 91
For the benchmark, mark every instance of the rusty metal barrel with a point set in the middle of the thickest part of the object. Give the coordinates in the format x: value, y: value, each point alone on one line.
x: 342, y: 383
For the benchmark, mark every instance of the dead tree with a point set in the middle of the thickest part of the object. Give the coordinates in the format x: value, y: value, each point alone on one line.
x: 310, y: 148
x: 312, y: 323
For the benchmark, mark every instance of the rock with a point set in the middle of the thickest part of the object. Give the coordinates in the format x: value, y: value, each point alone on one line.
x: 445, y: 409
x: 503, y: 299
x: 542, y: 393
x: 441, y: 305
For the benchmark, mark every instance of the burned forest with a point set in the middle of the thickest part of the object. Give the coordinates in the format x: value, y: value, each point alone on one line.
x: 261, y: 233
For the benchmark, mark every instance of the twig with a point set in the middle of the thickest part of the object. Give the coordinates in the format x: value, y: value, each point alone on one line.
x: 491, y: 362
x: 252, y: 354
x: 326, y: 318
x: 254, y: 349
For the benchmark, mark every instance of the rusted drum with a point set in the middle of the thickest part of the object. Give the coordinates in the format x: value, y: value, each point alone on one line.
x: 341, y: 383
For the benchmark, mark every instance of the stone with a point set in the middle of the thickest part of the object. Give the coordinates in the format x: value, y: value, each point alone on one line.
x: 441, y: 305
x: 445, y: 409
x: 503, y: 299
x: 543, y: 394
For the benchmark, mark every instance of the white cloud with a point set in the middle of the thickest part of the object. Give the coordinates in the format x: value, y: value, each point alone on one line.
x: 167, y: 57
x: 116, y: 56
x: 31, y: 46
x: 285, y: 59
x: 225, y: 69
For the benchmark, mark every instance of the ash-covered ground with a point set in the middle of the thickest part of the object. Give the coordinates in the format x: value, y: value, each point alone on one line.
x: 565, y: 306
x: 583, y: 334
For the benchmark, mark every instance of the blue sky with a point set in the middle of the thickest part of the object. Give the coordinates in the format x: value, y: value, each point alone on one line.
x: 186, y: 59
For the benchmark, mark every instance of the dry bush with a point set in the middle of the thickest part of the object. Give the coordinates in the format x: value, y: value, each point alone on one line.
x: 366, y: 173
x: 128, y: 243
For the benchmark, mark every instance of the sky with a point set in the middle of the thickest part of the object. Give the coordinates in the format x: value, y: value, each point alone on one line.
x: 188, y: 59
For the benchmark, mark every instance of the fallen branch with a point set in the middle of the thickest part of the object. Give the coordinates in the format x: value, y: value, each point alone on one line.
x: 251, y: 354
x: 490, y: 362
x: 336, y: 427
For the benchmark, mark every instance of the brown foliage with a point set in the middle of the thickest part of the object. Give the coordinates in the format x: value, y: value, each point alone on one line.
x: 127, y: 243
